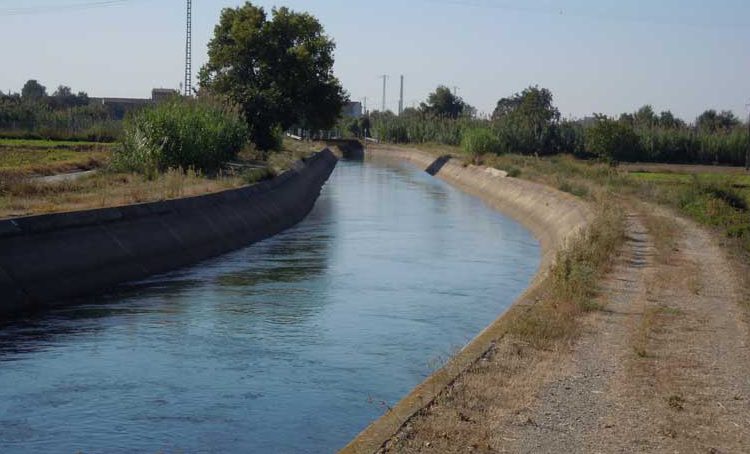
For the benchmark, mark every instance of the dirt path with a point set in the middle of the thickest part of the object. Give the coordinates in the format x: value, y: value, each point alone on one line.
x: 664, y: 367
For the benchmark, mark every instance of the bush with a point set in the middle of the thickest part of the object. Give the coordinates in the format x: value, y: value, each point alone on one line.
x: 612, y: 140
x: 181, y: 133
x: 479, y: 141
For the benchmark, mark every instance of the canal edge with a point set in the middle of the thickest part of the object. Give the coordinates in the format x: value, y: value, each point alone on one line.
x: 551, y: 215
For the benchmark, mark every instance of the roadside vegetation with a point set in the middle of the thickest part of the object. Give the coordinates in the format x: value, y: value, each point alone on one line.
x: 526, y: 137
x: 182, y: 133
x: 228, y: 135
x: 528, y: 123
x: 572, y: 286
x: 63, y: 115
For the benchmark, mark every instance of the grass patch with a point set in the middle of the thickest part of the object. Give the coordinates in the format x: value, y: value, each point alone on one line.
x: 41, y: 143
x: 52, y: 158
x: 21, y: 196
x: 570, y: 290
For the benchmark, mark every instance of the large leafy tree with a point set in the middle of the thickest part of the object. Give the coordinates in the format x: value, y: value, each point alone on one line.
x: 534, y: 104
x: 612, y: 140
x: 711, y: 121
x: 528, y: 121
x: 33, y: 91
x: 443, y: 103
x: 278, y: 70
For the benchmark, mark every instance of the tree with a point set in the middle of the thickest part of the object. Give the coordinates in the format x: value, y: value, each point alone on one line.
x: 669, y: 121
x: 443, y: 103
x: 33, y: 91
x: 279, y: 71
x: 710, y: 121
x: 612, y: 140
x: 645, y: 117
x: 528, y: 121
x: 533, y: 103
x: 63, y: 92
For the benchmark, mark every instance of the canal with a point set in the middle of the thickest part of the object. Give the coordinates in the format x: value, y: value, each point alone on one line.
x: 294, y: 344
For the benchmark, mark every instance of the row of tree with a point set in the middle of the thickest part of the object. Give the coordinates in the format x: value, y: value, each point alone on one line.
x: 34, y: 93
x: 529, y: 123
x: 63, y: 115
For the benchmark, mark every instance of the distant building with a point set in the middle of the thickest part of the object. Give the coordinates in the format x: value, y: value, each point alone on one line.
x: 119, y: 107
x: 352, y: 110
x: 163, y: 94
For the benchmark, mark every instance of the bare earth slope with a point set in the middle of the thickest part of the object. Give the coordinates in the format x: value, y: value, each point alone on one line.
x: 662, y: 368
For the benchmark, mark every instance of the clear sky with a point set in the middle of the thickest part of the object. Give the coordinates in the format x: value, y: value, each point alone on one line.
x: 605, y: 56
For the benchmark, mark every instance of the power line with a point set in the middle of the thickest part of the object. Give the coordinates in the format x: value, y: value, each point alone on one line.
x: 71, y: 7
x: 572, y: 12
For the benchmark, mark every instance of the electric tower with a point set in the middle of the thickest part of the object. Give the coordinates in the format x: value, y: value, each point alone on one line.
x: 189, y: 50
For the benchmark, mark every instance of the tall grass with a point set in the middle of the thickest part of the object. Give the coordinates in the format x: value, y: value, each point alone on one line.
x: 571, y: 288
x: 649, y: 144
x: 479, y: 141
x: 39, y: 121
x: 181, y: 133
x: 422, y: 129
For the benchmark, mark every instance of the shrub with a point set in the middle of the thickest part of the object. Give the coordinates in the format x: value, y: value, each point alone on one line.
x: 612, y: 140
x: 181, y: 133
x: 479, y: 141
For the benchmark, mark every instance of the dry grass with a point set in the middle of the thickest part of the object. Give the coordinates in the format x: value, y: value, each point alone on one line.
x: 467, y: 416
x: 483, y: 409
x: 20, y: 195
x: 570, y: 289
x: 45, y: 159
x: 23, y: 197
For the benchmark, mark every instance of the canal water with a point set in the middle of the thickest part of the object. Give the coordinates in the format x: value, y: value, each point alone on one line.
x: 294, y: 344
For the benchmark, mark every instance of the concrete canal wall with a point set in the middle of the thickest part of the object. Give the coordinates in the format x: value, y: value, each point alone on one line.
x: 552, y: 216
x: 50, y: 258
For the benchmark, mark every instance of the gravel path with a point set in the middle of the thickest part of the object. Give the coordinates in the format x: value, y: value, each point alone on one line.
x: 664, y: 367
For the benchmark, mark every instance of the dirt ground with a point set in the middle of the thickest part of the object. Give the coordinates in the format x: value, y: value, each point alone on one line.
x: 663, y: 367
x: 680, y: 168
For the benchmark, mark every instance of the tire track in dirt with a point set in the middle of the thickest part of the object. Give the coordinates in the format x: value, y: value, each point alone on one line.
x: 663, y: 368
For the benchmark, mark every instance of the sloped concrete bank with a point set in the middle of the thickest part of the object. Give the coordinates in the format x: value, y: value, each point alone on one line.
x: 551, y: 215
x: 50, y: 258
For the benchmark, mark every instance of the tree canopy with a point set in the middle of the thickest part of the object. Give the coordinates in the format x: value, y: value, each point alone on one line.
x: 33, y: 91
x: 527, y: 121
x: 711, y: 121
x: 613, y: 140
x: 444, y: 103
x: 278, y: 70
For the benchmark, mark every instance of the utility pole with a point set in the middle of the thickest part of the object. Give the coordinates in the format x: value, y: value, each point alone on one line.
x: 385, y: 78
x: 455, y: 90
x: 189, y: 49
x: 747, y: 152
x: 401, y: 97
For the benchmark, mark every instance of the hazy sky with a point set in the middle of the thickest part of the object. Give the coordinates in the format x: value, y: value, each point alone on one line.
x: 605, y: 56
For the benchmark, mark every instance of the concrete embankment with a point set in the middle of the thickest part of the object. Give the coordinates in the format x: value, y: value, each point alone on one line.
x: 553, y: 216
x: 50, y: 258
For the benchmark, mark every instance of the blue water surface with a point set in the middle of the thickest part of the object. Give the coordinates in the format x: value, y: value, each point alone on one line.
x: 294, y: 344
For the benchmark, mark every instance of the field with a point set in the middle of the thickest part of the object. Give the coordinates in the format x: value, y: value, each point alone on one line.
x: 22, y: 162
x: 44, y: 157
